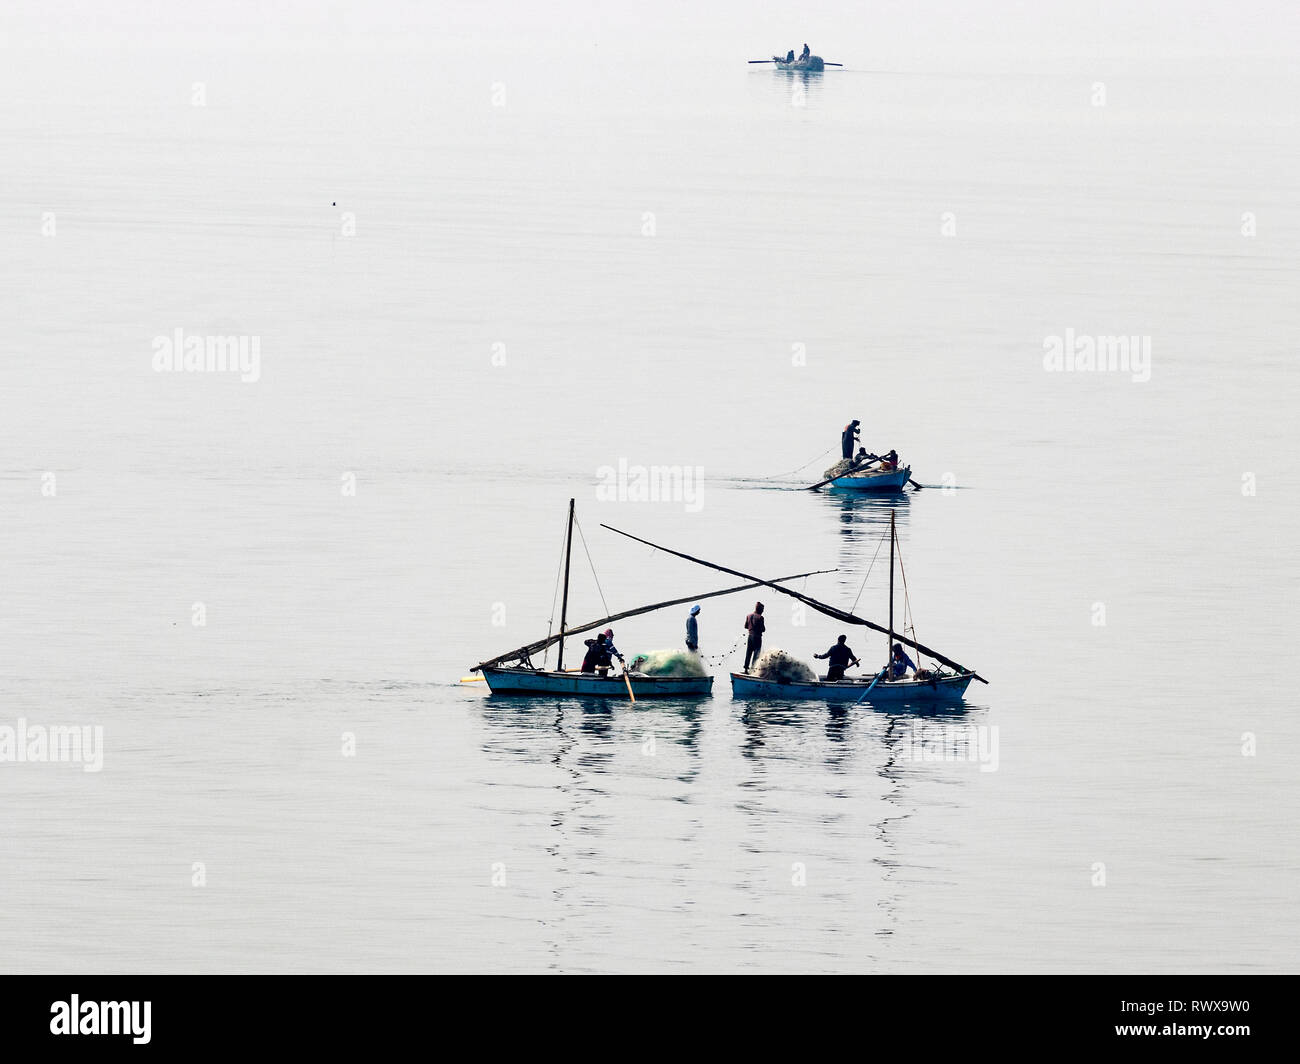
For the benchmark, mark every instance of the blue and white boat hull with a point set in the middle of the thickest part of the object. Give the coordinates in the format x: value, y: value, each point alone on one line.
x: 874, y: 480
x: 520, y: 681
x: 947, y: 688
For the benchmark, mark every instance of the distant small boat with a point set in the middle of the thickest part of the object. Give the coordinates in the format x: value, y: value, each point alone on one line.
x: 812, y: 65
x: 874, y: 480
x: 867, y: 472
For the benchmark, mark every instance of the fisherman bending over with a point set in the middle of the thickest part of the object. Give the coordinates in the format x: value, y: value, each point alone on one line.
x: 841, y: 657
x: 611, y: 649
x: 890, y: 461
x: 597, y: 656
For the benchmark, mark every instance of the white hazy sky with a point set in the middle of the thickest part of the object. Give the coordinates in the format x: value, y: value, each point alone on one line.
x: 892, y: 30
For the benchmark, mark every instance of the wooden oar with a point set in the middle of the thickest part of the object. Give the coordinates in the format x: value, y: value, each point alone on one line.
x: 909, y: 478
x: 762, y: 60
x: 860, y: 464
x: 629, y: 686
x: 871, y: 685
x: 473, y: 679
x: 824, y: 63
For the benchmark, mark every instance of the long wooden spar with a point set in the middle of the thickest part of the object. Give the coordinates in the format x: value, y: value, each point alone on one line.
x: 542, y: 644
x: 820, y: 607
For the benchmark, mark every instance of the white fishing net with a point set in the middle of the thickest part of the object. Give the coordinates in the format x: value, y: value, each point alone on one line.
x: 779, y: 666
x: 668, y: 663
x: 840, y: 467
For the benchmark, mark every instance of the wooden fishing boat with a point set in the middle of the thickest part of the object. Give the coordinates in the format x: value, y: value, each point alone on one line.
x: 812, y: 65
x: 931, y: 686
x: 874, y: 480
x: 520, y: 680
x: 514, y: 672
x: 948, y: 687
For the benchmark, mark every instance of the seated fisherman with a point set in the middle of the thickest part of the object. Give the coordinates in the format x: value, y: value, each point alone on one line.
x: 900, y: 663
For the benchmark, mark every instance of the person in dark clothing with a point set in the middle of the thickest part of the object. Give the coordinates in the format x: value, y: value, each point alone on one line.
x: 693, y: 630
x: 806, y: 52
x: 597, y: 655
x: 789, y: 56
x: 900, y: 663
x: 848, y: 438
x: 755, y: 626
x: 611, y: 651
x: 840, y: 657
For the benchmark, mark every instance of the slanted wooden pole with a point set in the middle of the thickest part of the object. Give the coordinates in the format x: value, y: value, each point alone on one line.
x: 820, y: 607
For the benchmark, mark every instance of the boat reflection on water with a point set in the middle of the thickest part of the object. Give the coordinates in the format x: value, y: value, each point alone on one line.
x: 863, y: 518
x: 864, y: 515
x: 595, y: 730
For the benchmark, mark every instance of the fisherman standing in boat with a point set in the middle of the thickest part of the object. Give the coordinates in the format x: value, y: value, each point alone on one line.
x: 755, y: 626
x: 806, y: 52
x: 848, y: 438
x: 693, y: 631
x: 840, y: 657
x: 900, y: 663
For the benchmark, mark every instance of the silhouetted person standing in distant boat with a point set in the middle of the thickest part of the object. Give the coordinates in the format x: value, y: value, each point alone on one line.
x: 755, y: 626
x: 806, y: 52
x: 848, y: 438
x: 693, y: 631
x: 840, y: 658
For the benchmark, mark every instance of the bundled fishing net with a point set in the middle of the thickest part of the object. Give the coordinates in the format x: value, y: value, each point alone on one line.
x: 779, y: 666
x: 668, y: 663
x: 840, y: 467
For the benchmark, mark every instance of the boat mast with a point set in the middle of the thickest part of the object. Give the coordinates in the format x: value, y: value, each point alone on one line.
x: 564, y: 603
x: 889, y: 649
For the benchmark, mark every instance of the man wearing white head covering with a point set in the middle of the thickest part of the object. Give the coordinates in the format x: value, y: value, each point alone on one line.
x: 693, y: 630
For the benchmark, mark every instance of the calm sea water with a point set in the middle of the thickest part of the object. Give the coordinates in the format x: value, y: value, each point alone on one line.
x: 482, y: 264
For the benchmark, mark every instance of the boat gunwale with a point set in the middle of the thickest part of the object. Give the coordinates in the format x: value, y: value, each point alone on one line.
x: 947, y: 680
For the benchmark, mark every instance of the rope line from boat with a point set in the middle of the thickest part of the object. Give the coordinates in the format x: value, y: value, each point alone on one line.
x: 854, y: 607
x: 555, y: 597
x: 718, y: 659
x: 801, y: 468
x: 593, y: 566
x: 909, y: 619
